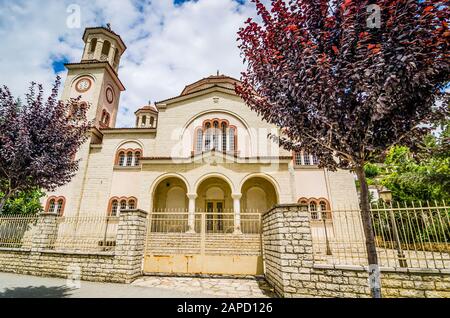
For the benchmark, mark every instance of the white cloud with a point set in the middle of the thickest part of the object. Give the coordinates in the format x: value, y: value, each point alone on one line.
x: 168, y: 46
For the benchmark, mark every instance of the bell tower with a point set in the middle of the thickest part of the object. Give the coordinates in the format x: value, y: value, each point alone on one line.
x: 96, y: 77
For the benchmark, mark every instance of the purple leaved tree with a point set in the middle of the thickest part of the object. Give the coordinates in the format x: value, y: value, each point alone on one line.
x: 347, y: 79
x: 38, y: 140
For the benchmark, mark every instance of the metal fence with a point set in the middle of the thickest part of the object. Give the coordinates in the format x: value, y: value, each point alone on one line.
x: 85, y: 234
x: 177, y: 221
x: 212, y: 233
x: 71, y: 233
x: 16, y: 231
x: 408, y: 235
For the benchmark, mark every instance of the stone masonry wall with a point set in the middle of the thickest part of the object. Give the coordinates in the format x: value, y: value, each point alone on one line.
x: 290, y: 268
x: 122, y: 266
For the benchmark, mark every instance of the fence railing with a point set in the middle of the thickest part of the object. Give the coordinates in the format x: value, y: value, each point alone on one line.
x: 16, y: 231
x: 85, y: 234
x: 177, y: 221
x: 203, y: 233
x: 405, y: 236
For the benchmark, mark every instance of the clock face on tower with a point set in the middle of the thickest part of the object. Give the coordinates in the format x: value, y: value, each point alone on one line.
x: 109, y: 95
x: 83, y: 85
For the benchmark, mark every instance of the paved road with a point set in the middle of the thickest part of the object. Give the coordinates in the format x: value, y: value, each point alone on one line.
x: 23, y: 286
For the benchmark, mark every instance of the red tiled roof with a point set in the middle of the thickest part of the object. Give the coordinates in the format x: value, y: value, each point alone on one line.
x: 148, y: 107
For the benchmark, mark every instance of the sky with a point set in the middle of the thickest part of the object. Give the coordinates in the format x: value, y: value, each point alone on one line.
x: 171, y: 43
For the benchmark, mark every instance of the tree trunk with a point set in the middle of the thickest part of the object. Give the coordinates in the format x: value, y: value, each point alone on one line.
x: 374, y: 269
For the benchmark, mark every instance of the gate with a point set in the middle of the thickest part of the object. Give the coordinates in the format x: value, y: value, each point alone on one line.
x: 211, y: 247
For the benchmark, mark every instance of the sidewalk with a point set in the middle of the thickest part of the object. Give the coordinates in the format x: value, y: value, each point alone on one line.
x: 24, y: 286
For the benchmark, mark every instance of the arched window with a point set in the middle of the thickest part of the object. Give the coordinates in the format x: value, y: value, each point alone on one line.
x: 59, y: 209
x: 232, y: 132
x: 51, y: 206
x: 224, y: 137
x: 132, y: 204
x: 297, y: 158
x: 319, y: 209
x: 123, y: 205
x: 116, y: 205
x: 106, y: 47
x: 144, y: 121
x: 93, y: 45
x: 199, y: 142
x: 122, y: 159
x: 306, y: 159
x: 137, y: 157
x: 324, y: 210
x: 129, y: 159
x: 315, y: 160
x: 114, y: 208
x: 106, y: 120
x: 152, y: 121
x: 56, y: 205
x: 313, y: 210
x: 208, y: 137
x: 303, y: 205
x: 78, y: 109
x: 216, y: 135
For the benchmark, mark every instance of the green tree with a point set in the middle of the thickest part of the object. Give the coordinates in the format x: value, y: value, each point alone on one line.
x: 425, y: 177
x: 420, y: 174
x: 24, y: 203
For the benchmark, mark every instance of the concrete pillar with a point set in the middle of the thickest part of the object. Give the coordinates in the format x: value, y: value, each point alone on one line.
x: 130, y: 245
x: 237, y: 212
x: 46, y: 232
x: 287, y: 249
x: 191, y: 215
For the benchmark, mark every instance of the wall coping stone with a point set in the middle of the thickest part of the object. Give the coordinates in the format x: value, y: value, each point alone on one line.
x: 10, y: 249
x: 141, y: 212
x: 46, y: 214
x: 284, y: 205
x: 383, y: 269
x: 105, y: 254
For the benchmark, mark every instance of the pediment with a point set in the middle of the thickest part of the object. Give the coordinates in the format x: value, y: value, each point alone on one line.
x: 204, y: 92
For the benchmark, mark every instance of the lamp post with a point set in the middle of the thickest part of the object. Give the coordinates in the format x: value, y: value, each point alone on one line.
x: 386, y: 196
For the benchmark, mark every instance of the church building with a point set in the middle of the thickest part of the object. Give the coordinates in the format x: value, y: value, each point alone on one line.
x: 202, y: 150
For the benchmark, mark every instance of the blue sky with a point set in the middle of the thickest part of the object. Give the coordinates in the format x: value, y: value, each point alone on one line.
x: 170, y: 43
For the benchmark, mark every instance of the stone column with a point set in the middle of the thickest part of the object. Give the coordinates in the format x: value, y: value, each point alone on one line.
x: 130, y: 245
x: 46, y: 232
x: 237, y: 212
x: 87, y: 47
x: 191, y: 216
x: 112, y: 50
x: 98, y: 49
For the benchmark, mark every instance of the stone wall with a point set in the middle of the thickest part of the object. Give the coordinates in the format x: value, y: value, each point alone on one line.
x: 290, y: 268
x: 122, y: 266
